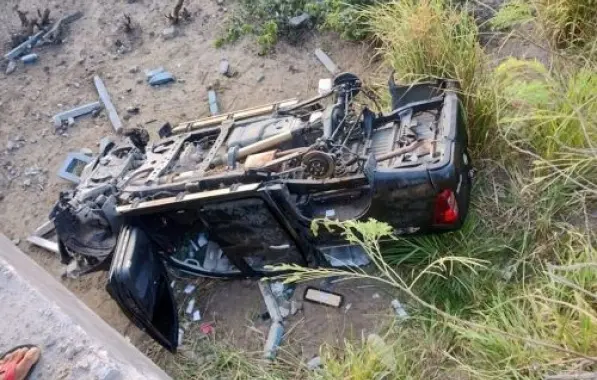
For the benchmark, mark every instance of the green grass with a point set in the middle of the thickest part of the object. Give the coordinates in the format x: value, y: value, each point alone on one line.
x: 268, y: 20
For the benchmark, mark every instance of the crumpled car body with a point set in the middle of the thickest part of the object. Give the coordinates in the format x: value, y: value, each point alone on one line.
x: 235, y: 194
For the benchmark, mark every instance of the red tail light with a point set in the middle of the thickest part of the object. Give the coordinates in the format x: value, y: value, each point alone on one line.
x: 446, y: 208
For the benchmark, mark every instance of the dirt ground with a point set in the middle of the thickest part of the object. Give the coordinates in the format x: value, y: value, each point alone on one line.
x: 31, y: 152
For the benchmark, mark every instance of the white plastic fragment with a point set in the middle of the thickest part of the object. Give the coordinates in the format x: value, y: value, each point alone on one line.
x: 375, y: 296
x: 190, y: 306
x: 314, y: 363
x: 201, y: 240
x: 399, y: 309
x: 189, y: 289
x: 180, y: 336
x: 325, y: 85
x: 196, y: 316
x: 172, y: 284
x: 347, y: 307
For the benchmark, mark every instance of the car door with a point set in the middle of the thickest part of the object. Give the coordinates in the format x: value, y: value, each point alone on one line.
x: 139, y: 283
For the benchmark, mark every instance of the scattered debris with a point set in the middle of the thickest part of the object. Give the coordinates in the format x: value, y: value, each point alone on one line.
x: 151, y: 73
x: 314, y: 363
x: 133, y: 110
x: 29, y: 58
x: 284, y: 312
x: 189, y: 289
x: 38, y: 237
x: 105, y: 98
x: 347, y: 307
x: 225, y: 68
x: 347, y: 256
x: 196, y: 316
x: 399, y: 309
x: 11, y: 67
x: 16, y: 241
x: 323, y: 297
x: 73, y: 166
x: 180, y: 336
x: 60, y: 118
x: 190, y: 306
x: 134, y: 70
x: 270, y: 301
x: 161, y: 78
x: 24, y: 47
x: 260, y: 78
x: 274, y: 338
x: 326, y: 61
x: 213, y: 102
x: 375, y: 296
x: 206, y: 328
x: 295, y: 307
x: 169, y: 33
x: 299, y: 21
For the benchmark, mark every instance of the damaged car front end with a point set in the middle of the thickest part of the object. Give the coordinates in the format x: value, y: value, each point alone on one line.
x: 232, y: 195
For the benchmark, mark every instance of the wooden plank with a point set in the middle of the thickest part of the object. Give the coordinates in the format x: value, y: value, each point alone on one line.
x: 105, y: 98
x: 43, y: 243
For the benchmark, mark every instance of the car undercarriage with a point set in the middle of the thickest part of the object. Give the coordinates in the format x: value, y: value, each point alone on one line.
x: 232, y: 194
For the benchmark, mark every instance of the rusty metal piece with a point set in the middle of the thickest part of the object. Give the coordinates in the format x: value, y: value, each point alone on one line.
x: 398, y: 152
x: 258, y: 160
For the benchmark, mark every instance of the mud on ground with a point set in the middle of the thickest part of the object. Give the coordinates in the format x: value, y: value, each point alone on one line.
x: 31, y: 152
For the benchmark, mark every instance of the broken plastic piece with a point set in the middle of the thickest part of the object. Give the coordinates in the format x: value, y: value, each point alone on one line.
x: 399, y: 309
x: 105, y: 98
x: 326, y: 61
x: 189, y: 289
x: 213, y: 102
x: 61, y: 117
x: 161, y: 78
x: 150, y: 73
x: 29, y: 58
x: 190, y: 306
x: 196, y: 316
x: 274, y: 338
x: 73, y: 166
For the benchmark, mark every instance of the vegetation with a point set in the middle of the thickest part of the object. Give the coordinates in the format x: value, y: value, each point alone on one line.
x: 268, y: 20
x: 512, y: 295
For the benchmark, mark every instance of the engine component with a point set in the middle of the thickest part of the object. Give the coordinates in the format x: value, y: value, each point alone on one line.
x: 318, y: 164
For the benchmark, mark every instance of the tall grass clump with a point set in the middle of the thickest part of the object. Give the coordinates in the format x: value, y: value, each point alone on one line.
x: 570, y: 25
x: 551, y: 117
x: 435, y: 39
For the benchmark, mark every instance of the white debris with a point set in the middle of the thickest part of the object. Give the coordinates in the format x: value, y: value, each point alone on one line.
x: 180, y: 336
x: 399, y: 309
x: 277, y: 288
x: 202, y: 240
x: 189, y: 289
x: 376, y: 296
x: 347, y: 307
x: 172, y: 284
x: 314, y: 363
x: 190, y: 306
x: 196, y: 316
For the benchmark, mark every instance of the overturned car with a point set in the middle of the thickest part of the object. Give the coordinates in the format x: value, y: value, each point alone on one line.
x: 231, y: 195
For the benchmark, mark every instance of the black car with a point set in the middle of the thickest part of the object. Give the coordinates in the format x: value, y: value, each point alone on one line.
x: 231, y: 195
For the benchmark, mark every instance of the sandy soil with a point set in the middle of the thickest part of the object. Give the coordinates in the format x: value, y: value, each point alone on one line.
x: 31, y: 152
